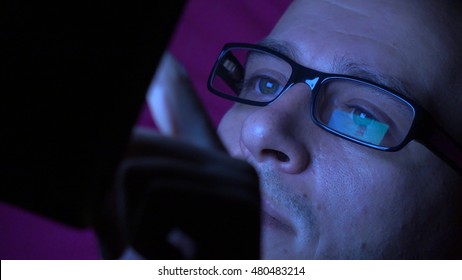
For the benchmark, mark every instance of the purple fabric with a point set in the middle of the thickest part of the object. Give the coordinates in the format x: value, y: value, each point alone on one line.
x: 24, y: 235
x: 204, y: 27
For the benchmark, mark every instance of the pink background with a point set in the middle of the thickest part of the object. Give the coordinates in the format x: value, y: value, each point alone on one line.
x: 204, y: 27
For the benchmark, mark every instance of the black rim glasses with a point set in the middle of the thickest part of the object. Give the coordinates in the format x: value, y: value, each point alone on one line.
x: 353, y: 108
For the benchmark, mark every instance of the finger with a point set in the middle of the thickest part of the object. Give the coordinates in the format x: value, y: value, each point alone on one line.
x: 176, y: 109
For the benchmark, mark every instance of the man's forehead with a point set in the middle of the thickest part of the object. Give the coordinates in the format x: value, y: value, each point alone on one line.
x: 380, y: 6
x: 401, y: 41
x: 411, y: 46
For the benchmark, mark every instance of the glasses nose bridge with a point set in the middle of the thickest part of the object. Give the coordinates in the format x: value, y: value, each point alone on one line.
x: 305, y: 75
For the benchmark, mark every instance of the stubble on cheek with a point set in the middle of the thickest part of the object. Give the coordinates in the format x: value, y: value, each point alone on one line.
x: 367, y: 207
x: 299, y: 208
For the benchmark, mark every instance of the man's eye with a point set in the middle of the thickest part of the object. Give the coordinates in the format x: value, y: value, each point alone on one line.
x: 362, y: 117
x: 268, y: 86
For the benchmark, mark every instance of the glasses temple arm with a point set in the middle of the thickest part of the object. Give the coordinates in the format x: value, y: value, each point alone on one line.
x: 444, y: 146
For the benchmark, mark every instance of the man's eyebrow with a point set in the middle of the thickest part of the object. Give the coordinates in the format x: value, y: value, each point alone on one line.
x: 280, y: 47
x: 345, y: 66
x: 358, y: 70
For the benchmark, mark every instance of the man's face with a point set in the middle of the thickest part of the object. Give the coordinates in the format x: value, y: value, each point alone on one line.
x: 325, y: 197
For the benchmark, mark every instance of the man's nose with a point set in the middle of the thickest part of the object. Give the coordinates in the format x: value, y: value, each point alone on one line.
x: 277, y: 133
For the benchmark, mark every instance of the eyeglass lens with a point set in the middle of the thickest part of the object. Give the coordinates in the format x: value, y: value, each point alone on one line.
x: 349, y: 107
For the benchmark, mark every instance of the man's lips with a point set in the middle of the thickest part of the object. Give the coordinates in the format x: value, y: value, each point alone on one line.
x: 270, y: 217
